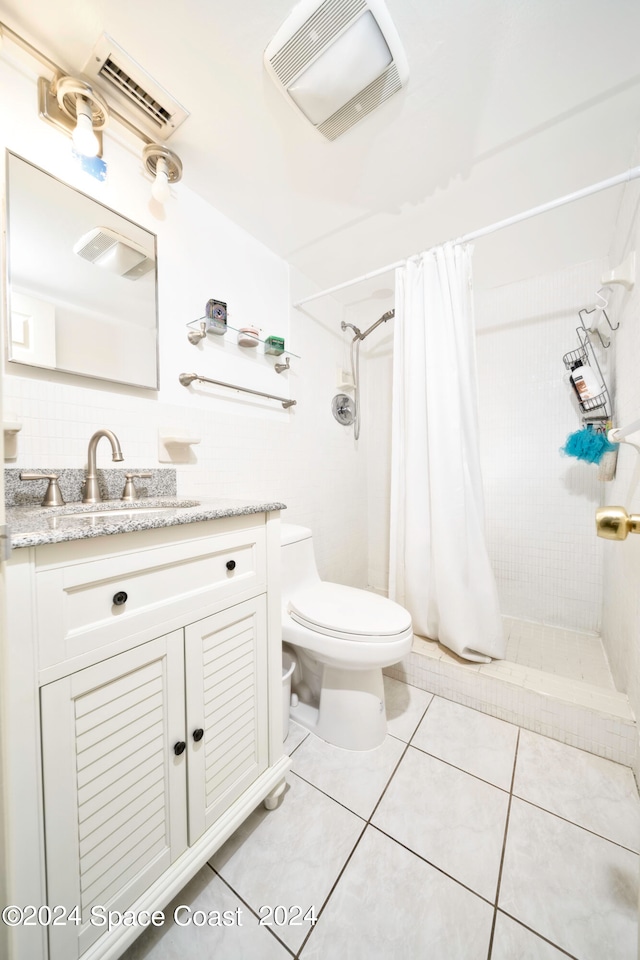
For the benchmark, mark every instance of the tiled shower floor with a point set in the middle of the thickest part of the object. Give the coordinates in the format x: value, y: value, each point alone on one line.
x: 564, y: 653
x: 462, y: 837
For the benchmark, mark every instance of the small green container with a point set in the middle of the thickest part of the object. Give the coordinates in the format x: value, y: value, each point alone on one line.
x: 274, y: 346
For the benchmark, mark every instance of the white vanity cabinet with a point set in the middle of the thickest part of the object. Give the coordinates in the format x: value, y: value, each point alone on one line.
x: 157, y: 718
x: 114, y: 795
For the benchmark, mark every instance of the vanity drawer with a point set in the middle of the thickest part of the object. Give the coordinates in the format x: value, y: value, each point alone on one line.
x: 86, y: 605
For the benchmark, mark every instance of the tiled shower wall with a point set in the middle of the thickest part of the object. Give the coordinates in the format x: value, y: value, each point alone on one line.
x: 540, y: 504
x: 621, y: 609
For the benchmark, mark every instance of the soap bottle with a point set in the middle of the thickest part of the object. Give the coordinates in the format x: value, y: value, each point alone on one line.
x: 586, y: 381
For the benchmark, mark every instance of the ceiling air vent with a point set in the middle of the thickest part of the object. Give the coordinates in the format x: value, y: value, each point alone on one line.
x: 337, y: 61
x: 138, y: 96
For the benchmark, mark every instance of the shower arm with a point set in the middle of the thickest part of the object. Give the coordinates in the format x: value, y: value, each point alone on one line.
x: 361, y: 336
x: 383, y: 319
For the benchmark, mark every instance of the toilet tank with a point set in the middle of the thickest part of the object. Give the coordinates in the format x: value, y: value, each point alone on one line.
x: 298, y: 560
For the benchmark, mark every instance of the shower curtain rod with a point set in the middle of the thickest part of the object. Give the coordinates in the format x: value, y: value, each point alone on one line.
x: 631, y: 174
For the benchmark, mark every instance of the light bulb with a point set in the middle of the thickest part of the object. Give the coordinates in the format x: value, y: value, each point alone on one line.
x: 160, y: 188
x: 84, y: 138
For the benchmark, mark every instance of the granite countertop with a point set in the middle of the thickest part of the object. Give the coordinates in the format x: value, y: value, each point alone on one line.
x: 31, y: 526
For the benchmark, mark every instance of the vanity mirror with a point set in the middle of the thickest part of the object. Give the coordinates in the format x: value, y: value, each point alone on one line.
x: 82, y: 282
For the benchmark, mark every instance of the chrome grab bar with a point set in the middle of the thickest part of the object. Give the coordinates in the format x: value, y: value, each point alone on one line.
x: 186, y: 379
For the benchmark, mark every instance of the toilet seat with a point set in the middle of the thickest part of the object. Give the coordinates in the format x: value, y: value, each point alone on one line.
x: 348, y: 613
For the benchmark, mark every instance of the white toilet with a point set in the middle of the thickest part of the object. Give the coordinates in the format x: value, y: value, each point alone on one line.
x: 342, y: 638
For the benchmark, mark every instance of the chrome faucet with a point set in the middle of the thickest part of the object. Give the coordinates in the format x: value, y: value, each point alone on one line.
x: 91, y: 488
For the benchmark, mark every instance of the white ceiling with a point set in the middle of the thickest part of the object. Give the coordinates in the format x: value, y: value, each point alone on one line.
x: 510, y: 103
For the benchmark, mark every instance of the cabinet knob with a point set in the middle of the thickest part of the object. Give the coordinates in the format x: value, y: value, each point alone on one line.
x: 198, y: 734
x: 179, y: 747
x: 231, y: 564
x: 119, y: 598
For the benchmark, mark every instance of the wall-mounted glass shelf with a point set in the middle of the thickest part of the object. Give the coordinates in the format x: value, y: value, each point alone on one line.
x: 200, y: 328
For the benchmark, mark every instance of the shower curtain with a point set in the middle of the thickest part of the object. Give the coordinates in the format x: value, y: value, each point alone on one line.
x: 439, y: 565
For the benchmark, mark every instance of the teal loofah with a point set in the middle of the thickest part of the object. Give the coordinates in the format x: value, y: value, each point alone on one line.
x: 589, y: 445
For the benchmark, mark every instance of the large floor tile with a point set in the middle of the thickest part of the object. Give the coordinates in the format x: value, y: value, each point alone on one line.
x: 588, y: 790
x: 189, y: 940
x: 512, y: 941
x: 355, y: 778
x: 389, y: 905
x: 405, y: 707
x: 295, y: 736
x: 291, y: 855
x: 450, y: 818
x: 575, y: 889
x: 473, y: 741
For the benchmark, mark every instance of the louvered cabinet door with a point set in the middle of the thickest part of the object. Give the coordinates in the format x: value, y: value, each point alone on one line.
x: 227, y: 709
x: 114, y: 787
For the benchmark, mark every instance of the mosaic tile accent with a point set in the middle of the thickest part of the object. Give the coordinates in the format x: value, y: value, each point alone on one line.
x: 580, y: 714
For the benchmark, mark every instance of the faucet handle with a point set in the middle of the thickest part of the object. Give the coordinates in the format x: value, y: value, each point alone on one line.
x: 53, y: 497
x: 129, y: 492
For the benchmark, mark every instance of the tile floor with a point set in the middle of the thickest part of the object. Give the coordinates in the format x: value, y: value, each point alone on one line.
x: 565, y: 653
x: 462, y: 837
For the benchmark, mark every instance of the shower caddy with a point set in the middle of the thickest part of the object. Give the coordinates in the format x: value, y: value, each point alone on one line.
x: 595, y: 409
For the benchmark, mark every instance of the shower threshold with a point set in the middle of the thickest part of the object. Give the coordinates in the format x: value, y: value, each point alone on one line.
x: 586, y: 713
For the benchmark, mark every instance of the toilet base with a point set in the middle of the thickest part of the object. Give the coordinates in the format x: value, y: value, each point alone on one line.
x: 350, y: 713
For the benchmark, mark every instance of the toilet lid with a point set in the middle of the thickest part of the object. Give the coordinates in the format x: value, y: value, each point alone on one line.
x: 338, y: 610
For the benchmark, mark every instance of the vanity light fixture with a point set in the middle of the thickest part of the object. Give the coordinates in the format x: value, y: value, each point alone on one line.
x: 165, y: 167
x: 74, y: 106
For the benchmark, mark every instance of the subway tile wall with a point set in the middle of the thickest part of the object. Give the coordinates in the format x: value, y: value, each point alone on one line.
x: 540, y: 503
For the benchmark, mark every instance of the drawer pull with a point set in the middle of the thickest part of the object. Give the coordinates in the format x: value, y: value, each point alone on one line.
x: 179, y: 747
x: 119, y: 598
x: 231, y: 564
x: 198, y: 734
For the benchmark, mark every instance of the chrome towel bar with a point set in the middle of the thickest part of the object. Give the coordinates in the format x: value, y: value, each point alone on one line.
x: 186, y: 379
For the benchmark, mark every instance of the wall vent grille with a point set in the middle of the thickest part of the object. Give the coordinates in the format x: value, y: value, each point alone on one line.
x: 117, y: 76
x: 138, y: 96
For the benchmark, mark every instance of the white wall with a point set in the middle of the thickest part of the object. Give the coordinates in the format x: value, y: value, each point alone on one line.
x: 249, y: 447
x: 540, y: 504
x: 621, y: 611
